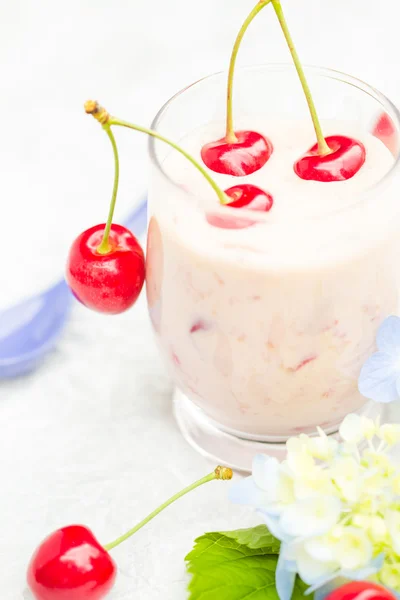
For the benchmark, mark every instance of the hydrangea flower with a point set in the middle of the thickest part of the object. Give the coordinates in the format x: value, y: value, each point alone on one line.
x: 335, y: 507
x: 380, y: 376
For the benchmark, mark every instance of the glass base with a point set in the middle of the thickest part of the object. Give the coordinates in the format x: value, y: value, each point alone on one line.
x: 212, y: 441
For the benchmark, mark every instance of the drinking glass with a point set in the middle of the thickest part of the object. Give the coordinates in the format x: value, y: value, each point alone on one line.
x: 265, y: 334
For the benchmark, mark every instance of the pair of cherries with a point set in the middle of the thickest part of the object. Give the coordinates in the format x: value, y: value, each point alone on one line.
x: 252, y: 151
x: 112, y: 282
x: 72, y: 564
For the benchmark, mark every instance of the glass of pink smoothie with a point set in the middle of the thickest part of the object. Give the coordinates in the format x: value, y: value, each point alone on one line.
x: 264, y: 319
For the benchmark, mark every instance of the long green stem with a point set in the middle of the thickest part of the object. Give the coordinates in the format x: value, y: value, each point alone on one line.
x: 220, y: 473
x: 230, y: 132
x: 223, y: 198
x: 323, y: 148
x: 104, y: 247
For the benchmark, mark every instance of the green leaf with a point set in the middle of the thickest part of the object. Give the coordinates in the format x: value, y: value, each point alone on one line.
x: 224, y: 566
x: 255, y: 537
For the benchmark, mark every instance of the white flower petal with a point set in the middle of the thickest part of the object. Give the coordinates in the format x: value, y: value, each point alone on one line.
x: 311, y: 517
x: 315, y: 482
x: 354, y: 428
x: 353, y: 549
x: 378, y: 378
x: 287, y: 551
x: 299, y: 458
x: 312, y: 571
x: 321, y: 549
x: 390, y: 433
x: 266, y: 473
x: 323, y: 447
x: 368, y: 427
x: 274, y: 510
x: 389, y: 576
x: 284, y: 578
x: 274, y: 526
x: 388, y: 336
x: 351, y: 429
x: 245, y: 491
x: 359, y: 574
x: 364, y: 573
x: 346, y: 473
x: 393, y: 524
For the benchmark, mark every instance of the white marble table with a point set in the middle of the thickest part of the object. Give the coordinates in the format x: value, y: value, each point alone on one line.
x: 90, y: 437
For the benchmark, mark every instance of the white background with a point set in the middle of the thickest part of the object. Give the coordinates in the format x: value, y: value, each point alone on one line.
x: 90, y: 437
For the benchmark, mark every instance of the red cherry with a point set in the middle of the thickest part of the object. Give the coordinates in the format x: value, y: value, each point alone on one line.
x: 346, y: 159
x: 244, y: 196
x: 360, y: 590
x: 247, y: 155
x: 109, y: 283
x: 250, y: 197
x: 385, y: 131
x: 71, y: 564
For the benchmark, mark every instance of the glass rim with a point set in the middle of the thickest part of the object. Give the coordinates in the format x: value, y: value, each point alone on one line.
x: 325, y: 72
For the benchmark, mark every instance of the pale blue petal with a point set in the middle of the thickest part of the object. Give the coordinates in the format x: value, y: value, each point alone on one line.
x: 373, y: 567
x: 322, y: 583
x: 273, y: 525
x: 378, y: 378
x: 388, y: 336
x: 322, y: 592
x: 245, y: 491
x: 284, y: 578
x: 275, y: 510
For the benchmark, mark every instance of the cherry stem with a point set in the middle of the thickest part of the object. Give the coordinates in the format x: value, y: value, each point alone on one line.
x: 223, y: 473
x: 323, y: 148
x: 223, y: 198
x: 104, y: 246
x: 102, y: 116
x: 230, y: 132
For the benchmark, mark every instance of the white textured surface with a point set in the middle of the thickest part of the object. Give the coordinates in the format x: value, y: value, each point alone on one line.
x: 90, y: 437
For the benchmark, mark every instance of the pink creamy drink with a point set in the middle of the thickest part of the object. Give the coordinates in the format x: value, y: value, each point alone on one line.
x: 264, y: 319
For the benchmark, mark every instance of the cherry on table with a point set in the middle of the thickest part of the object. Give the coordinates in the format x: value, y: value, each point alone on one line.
x: 111, y: 282
x: 247, y: 154
x: 71, y: 563
x: 245, y: 196
x: 345, y: 160
x: 361, y: 590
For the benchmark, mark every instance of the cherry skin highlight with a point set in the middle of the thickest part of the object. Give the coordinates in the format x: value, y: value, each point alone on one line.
x: 71, y: 563
x: 346, y: 159
x: 244, y: 157
x: 108, y: 283
x: 243, y: 196
x: 360, y: 590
